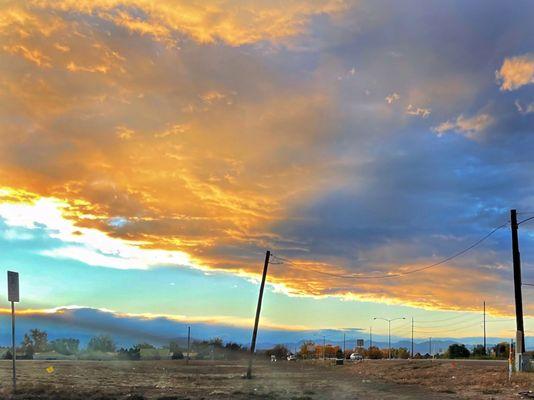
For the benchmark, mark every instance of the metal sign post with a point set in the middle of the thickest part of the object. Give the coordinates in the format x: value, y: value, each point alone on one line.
x: 13, y: 297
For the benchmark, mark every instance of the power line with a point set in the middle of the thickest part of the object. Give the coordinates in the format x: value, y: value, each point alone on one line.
x: 442, y: 320
x: 441, y: 326
x: 469, y: 319
x: 398, y: 274
x: 525, y: 220
x: 439, y: 330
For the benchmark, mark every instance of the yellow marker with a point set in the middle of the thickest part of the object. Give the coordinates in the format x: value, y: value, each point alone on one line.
x: 50, y: 369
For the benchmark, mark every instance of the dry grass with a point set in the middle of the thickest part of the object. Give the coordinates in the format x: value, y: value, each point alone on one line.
x: 172, y: 380
x: 470, y: 380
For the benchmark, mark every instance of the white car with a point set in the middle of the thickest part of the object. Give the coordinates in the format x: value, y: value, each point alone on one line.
x: 356, y: 357
x: 292, y: 357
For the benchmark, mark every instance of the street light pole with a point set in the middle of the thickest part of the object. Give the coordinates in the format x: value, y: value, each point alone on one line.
x: 389, y: 321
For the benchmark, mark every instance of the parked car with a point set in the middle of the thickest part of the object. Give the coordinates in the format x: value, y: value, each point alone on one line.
x: 292, y: 357
x: 356, y: 357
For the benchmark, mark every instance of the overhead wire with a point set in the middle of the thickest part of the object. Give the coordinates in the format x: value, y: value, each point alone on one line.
x: 525, y: 220
x: 434, y: 329
x: 441, y: 320
x: 455, y: 329
x: 399, y: 274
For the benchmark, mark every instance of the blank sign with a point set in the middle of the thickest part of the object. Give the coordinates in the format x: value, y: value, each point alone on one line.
x: 13, y: 286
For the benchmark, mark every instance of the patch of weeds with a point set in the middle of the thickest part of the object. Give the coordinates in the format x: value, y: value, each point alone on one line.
x: 134, y: 396
x: 172, y: 398
x: 491, y: 391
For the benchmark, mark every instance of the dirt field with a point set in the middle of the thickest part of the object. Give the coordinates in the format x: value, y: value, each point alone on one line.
x: 173, y: 380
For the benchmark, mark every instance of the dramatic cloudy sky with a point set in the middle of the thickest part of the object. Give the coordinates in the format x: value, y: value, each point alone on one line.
x: 151, y: 152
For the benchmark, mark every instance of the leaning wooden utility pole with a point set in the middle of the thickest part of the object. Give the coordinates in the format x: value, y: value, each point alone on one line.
x: 520, y: 334
x: 258, y: 311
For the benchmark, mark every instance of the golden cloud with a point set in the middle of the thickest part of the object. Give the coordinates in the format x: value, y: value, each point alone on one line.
x: 467, y: 126
x: 190, y: 149
x: 516, y: 72
x: 233, y: 22
x: 430, y: 291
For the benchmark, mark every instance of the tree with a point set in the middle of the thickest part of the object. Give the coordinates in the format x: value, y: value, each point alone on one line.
x: 279, y: 351
x: 216, y: 343
x: 27, y: 346
x: 39, y: 339
x: 401, y: 352
x: 233, y: 346
x: 145, y: 346
x: 374, y: 353
x: 133, y: 353
x: 479, y: 351
x: 103, y: 343
x: 174, y: 346
x: 502, y: 350
x: 458, y: 351
x: 65, y: 346
x: 307, y: 349
x: 329, y: 351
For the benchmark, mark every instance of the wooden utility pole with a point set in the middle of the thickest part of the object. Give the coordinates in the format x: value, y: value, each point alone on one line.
x: 188, y: 344
x: 258, y: 312
x: 343, y: 345
x: 14, y: 297
x: 485, y: 350
x: 520, y: 334
x: 412, y: 337
x: 324, y: 348
x: 370, y: 337
x: 430, y: 346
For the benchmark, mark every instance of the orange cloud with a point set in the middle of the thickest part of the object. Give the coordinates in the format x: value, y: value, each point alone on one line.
x: 516, y: 72
x: 34, y: 56
x: 192, y: 150
x: 235, y: 23
x: 467, y: 126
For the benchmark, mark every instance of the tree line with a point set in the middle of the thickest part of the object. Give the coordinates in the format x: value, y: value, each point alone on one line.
x: 35, y: 342
x: 310, y: 350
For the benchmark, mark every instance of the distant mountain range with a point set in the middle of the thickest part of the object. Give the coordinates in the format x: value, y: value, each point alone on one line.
x: 422, y: 347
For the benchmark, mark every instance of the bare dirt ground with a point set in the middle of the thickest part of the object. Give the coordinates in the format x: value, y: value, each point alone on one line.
x: 173, y: 380
x: 467, y: 379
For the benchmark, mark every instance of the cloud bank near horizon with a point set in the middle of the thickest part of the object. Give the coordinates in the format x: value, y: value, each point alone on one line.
x: 128, y: 330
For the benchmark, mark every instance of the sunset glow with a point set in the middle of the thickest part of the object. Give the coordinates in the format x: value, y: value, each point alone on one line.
x: 151, y: 152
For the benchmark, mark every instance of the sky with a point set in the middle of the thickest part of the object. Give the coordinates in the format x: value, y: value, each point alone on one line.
x: 151, y: 152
